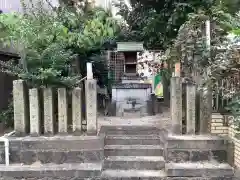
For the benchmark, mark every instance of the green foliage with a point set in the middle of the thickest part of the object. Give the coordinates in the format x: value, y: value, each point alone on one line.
x: 7, y: 116
x: 234, y: 108
x: 54, y: 43
x: 157, y: 23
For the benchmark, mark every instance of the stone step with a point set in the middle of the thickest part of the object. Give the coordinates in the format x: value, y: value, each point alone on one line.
x: 134, y: 139
x: 134, y: 162
x: 133, y: 150
x: 51, y: 171
x: 200, y: 169
x: 133, y: 174
x: 130, y: 130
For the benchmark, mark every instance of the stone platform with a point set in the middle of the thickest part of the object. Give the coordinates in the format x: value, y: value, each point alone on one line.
x: 118, y: 152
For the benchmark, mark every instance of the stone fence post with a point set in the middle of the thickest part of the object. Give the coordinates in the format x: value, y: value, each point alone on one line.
x: 21, y: 107
x: 91, y: 105
x: 191, y: 108
x: 205, y: 109
x: 62, y: 111
x: 91, y: 101
x: 176, y: 104
x: 35, y: 112
x: 49, y: 116
x: 77, y: 110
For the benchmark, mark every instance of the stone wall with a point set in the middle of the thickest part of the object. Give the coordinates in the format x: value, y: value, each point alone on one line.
x: 219, y: 125
x: 223, y: 125
x: 57, y: 150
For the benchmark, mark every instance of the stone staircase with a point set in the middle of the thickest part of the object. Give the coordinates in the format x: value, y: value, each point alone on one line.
x: 118, y: 153
x: 133, y: 152
x: 149, y: 153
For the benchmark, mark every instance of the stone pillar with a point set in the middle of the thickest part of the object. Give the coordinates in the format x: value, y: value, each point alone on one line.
x: 77, y: 110
x: 62, y: 111
x: 91, y: 105
x: 176, y: 105
x: 205, y: 109
x: 49, y: 116
x: 21, y: 107
x: 191, y: 108
x: 35, y: 112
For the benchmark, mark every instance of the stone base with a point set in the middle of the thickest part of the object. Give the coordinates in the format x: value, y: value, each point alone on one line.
x: 51, y: 171
x: 56, y: 150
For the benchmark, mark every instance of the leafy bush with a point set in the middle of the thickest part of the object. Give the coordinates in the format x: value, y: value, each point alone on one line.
x: 49, y: 42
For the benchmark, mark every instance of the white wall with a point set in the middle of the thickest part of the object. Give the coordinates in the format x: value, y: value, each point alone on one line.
x: 15, y: 5
x: 108, y: 4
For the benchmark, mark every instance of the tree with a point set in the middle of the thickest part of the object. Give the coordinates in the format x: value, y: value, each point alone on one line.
x: 51, y: 43
x: 157, y: 22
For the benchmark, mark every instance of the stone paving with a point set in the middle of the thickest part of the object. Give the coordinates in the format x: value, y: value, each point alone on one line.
x: 159, y: 121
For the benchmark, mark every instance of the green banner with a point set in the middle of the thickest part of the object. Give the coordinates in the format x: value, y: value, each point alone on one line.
x: 158, y: 86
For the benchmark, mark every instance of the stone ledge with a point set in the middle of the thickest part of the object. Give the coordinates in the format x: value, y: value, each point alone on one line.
x: 51, y: 170
x: 111, y: 174
x: 217, y: 116
x: 57, y: 143
x: 57, y: 157
x: 200, y: 169
x: 207, y: 142
x: 187, y: 155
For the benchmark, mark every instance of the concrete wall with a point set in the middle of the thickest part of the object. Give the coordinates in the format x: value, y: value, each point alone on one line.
x: 223, y: 125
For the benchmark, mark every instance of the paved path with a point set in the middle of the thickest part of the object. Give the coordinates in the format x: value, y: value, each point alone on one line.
x: 160, y: 120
